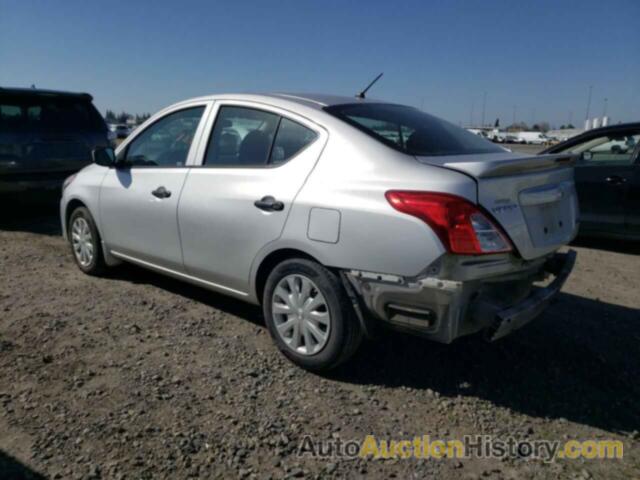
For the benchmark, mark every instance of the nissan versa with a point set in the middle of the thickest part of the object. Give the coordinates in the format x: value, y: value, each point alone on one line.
x: 335, y: 214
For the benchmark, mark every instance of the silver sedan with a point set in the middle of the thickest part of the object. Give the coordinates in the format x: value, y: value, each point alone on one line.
x: 338, y: 215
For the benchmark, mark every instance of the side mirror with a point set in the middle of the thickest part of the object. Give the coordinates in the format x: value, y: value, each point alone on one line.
x: 104, y: 156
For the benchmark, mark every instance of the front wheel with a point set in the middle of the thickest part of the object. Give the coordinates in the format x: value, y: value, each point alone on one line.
x: 85, y: 242
x: 309, y: 315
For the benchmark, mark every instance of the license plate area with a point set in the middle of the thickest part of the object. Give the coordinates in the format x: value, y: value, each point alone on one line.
x: 552, y: 222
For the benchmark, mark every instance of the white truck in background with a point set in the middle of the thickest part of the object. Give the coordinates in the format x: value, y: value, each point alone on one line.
x: 533, y: 138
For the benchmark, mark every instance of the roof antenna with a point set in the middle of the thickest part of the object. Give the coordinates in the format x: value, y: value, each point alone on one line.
x: 363, y: 92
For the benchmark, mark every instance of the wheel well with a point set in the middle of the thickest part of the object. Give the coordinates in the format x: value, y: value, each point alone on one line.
x: 269, y: 263
x: 71, y: 206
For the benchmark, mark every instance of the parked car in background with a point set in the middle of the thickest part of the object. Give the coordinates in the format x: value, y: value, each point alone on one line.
x: 120, y: 130
x: 497, y: 136
x: 607, y: 179
x: 531, y: 138
x: 335, y: 213
x: 45, y: 136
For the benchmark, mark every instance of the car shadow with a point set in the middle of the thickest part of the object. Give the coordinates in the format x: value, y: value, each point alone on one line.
x: 39, y: 217
x: 578, y: 361
x: 13, y: 469
x: 225, y: 303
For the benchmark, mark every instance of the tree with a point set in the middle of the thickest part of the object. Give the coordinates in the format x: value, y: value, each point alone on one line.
x: 122, y: 117
x: 517, y: 127
x: 541, y: 127
x: 110, y: 117
x: 141, y: 118
x: 497, y: 124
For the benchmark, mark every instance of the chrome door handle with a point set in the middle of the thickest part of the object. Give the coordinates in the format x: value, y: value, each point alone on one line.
x: 615, y: 180
x: 269, y: 204
x: 161, y: 192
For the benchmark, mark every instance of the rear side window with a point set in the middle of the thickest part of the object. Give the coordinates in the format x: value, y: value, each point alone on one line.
x: 247, y: 137
x: 49, y: 113
x: 290, y: 139
x: 410, y: 130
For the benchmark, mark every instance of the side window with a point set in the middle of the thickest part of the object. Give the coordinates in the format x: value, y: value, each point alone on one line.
x: 290, y: 139
x: 166, y: 143
x: 607, y: 150
x: 241, y: 137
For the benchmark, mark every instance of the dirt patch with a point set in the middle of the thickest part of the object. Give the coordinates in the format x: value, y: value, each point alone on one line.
x: 140, y: 376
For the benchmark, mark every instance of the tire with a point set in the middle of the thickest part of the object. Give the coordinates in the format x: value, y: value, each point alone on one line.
x: 81, y: 226
x: 343, y: 334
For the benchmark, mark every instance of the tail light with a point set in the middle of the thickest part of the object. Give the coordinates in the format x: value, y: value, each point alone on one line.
x: 460, y: 225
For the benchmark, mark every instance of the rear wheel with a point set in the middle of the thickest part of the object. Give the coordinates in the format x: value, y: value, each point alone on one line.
x: 85, y: 242
x: 309, y: 315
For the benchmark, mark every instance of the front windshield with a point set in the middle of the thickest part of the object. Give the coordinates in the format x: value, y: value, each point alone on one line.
x: 410, y: 130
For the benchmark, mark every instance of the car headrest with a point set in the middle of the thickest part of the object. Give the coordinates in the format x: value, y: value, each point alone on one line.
x: 254, y: 148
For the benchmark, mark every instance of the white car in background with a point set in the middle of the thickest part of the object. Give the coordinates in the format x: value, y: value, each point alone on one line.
x: 531, y: 138
x: 120, y: 130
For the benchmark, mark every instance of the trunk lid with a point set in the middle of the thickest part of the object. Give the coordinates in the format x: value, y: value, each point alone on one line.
x: 532, y: 198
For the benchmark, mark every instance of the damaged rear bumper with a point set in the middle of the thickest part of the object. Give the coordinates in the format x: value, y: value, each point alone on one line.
x: 495, y: 296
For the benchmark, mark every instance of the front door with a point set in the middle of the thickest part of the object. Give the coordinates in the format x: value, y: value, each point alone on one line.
x: 139, y: 199
x: 238, y: 200
x: 603, y: 174
x: 632, y: 212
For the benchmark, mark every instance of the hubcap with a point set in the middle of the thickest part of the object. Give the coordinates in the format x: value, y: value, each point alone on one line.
x: 82, y: 241
x: 301, y: 314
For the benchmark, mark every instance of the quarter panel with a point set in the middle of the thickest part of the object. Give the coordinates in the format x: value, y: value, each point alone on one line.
x: 352, y: 177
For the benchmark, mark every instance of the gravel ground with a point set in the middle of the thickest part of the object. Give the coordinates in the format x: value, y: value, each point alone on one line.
x: 140, y: 376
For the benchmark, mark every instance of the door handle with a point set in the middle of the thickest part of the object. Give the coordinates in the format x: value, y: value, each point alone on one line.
x: 161, y: 192
x: 269, y: 204
x: 615, y: 180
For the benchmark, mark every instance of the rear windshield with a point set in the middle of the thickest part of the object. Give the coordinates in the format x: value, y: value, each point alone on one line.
x: 41, y: 113
x: 410, y: 130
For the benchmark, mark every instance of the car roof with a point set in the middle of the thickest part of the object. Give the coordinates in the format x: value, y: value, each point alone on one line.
x: 43, y: 92
x: 316, y: 101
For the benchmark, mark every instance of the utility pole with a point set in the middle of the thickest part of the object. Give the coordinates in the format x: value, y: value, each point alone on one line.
x: 473, y: 106
x: 586, y: 117
x: 484, y: 104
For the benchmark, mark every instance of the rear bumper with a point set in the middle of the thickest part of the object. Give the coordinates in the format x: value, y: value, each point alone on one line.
x: 496, y: 297
x: 509, y: 319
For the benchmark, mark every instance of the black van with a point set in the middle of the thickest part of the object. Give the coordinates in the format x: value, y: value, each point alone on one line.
x: 45, y: 136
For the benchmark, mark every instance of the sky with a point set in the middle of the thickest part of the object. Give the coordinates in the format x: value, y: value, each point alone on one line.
x: 535, y: 60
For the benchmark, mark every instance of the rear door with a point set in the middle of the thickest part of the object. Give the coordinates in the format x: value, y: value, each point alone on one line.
x: 254, y: 163
x: 604, y: 172
x: 139, y: 200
